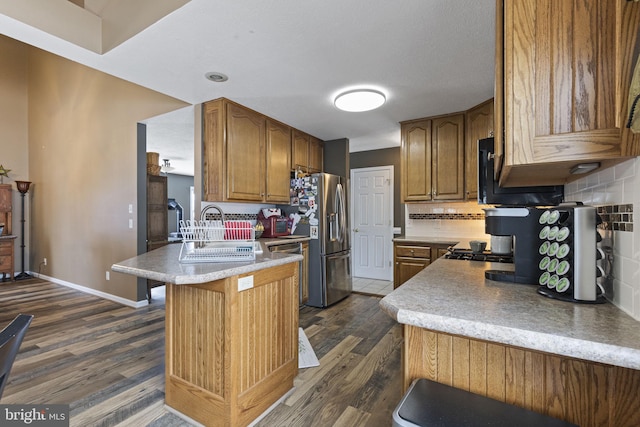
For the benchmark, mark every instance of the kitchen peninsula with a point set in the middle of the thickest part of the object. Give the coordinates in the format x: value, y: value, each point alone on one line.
x: 576, y: 362
x: 231, y: 332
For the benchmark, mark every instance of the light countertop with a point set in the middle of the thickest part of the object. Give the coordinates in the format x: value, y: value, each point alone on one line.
x: 162, y: 264
x: 453, y: 296
x: 274, y: 241
x: 458, y: 242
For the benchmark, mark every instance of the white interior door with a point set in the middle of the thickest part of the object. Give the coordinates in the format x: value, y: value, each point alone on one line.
x: 372, y: 222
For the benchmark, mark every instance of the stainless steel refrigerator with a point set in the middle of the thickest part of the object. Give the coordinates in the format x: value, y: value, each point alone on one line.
x: 323, y: 203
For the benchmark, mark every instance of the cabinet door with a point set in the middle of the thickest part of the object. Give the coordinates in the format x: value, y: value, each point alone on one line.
x: 245, y: 154
x: 300, y: 150
x: 478, y: 125
x: 278, y: 158
x: 448, y: 158
x: 416, y: 161
x: 406, y: 268
x: 567, y: 71
x: 316, y: 154
x: 213, y: 151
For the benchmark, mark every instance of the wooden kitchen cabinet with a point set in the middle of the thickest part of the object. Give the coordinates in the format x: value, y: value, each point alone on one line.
x: 247, y: 156
x: 278, y: 158
x: 562, y: 82
x: 246, y: 138
x: 448, y: 157
x: 410, y: 258
x: 316, y: 155
x: 415, y: 161
x: 432, y: 159
x: 307, y: 152
x: 300, y: 150
x: 478, y: 125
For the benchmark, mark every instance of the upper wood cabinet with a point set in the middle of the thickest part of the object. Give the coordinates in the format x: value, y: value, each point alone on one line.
x: 307, y: 152
x: 278, y: 161
x: 415, y: 160
x: 316, y: 155
x: 563, y: 75
x: 447, y: 172
x: 245, y: 155
x: 478, y: 125
x: 432, y: 159
x: 246, y: 137
x: 300, y: 150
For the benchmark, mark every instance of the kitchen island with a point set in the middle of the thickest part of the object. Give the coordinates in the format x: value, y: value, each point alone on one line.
x: 231, y: 332
x: 577, y: 362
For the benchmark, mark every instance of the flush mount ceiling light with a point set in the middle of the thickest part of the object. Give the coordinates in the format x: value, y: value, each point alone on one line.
x: 359, y: 100
x: 216, y: 77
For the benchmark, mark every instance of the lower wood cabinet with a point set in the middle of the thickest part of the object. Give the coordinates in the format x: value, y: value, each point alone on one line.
x: 412, y: 257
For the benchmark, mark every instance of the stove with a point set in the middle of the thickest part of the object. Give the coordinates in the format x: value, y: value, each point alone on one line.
x: 468, y: 255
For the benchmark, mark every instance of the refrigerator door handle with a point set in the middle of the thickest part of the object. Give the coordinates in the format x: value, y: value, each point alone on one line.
x: 340, y: 207
x: 332, y: 219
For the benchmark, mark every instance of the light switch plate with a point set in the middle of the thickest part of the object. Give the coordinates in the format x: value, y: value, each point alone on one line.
x: 245, y: 283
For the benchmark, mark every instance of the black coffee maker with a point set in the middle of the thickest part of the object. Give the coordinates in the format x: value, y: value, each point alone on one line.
x: 523, y: 224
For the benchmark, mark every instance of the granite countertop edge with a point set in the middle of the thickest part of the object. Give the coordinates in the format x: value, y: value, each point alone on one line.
x: 162, y: 264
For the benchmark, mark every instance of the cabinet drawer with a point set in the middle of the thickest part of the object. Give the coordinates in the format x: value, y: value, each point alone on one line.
x: 414, y: 251
x: 6, y: 249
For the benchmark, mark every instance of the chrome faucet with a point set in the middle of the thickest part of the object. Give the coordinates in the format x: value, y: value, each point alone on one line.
x: 212, y: 206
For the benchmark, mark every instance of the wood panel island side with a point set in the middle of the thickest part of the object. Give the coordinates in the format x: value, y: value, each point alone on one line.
x: 231, y: 333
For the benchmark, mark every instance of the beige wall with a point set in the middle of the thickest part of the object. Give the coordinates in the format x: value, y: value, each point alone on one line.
x: 14, y: 125
x: 82, y: 148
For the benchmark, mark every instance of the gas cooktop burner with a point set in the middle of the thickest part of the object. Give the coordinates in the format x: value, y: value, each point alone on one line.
x: 467, y: 254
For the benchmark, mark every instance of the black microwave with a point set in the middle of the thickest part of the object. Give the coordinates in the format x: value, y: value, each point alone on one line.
x: 490, y: 193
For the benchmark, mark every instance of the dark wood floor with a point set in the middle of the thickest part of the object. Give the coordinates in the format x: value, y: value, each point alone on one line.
x: 107, y: 361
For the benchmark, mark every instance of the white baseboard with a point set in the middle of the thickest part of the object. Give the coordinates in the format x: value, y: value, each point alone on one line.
x: 105, y: 295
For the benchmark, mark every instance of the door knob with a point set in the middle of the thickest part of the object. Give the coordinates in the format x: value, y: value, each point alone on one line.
x: 355, y: 230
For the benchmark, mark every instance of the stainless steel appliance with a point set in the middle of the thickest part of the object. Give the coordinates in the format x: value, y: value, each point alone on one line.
x: 489, y: 192
x: 572, y: 266
x: 325, y: 220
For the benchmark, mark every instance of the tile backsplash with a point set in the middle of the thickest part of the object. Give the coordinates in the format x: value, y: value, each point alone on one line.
x: 616, y: 193
x: 445, y: 220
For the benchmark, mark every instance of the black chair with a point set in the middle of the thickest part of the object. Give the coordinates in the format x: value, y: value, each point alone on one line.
x: 10, y: 340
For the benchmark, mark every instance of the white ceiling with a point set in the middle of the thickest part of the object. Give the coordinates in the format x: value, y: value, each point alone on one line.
x: 288, y: 58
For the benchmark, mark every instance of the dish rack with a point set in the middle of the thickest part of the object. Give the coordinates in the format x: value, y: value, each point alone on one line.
x: 216, y: 241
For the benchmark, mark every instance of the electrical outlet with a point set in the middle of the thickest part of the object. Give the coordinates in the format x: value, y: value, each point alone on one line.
x: 130, y: 208
x: 245, y: 283
x: 44, y: 261
x: 107, y: 275
x: 130, y: 223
